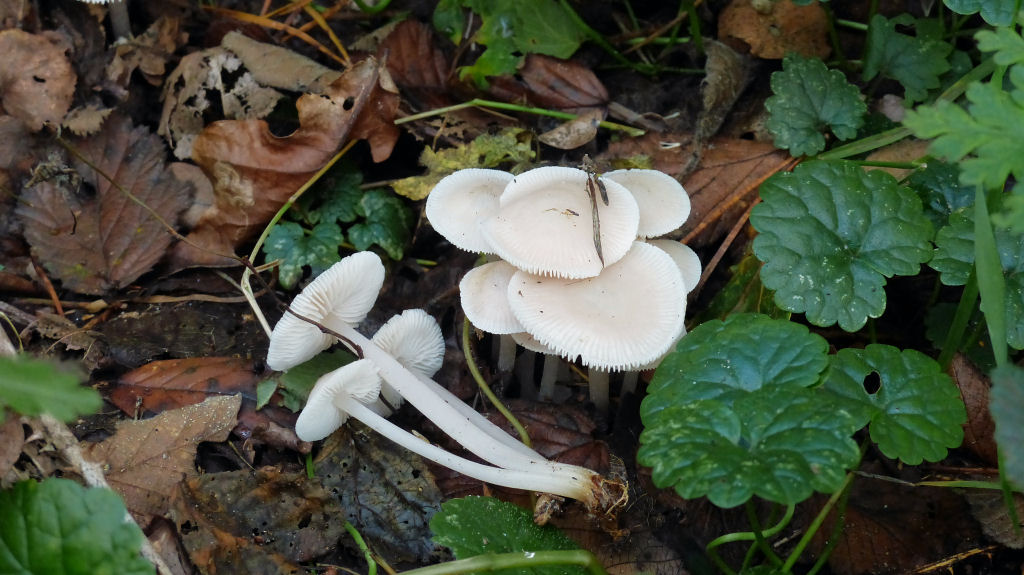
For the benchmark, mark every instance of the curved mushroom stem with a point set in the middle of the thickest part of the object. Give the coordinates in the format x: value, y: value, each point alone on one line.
x: 119, y: 19
x: 461, y: 422
x: 547, y: 477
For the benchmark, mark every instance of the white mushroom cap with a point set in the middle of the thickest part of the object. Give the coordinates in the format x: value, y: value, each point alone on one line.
x: 415, y: 340
x: 484, y: 292
x: 460, y: 201
x: 344, y: 292
x: 544, y: 224
x: 322, y: 415
x: 664, y: 204
x: 621, y: 319
x: 529, y: 342
x: 687, y: 260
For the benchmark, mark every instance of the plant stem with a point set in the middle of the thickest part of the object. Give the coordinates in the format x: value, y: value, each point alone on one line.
x: 816, y: 524
x: 371, y: 565
x: 522, y: 561
x: 467, y: 350
x: 745, y: 536
x: 478, y: 102
x: 991, y: 282
x: 964, y: 310
x: 758, y: 533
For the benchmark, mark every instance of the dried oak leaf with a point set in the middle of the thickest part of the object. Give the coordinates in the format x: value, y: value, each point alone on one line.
x: 147, y: 53
x: 254, y: 172
x: 256, y: 522
x: 169, y: 384
x: 146, y: 459
x: 387, y: 493
x: 36, y: 79
x: 95, y: 238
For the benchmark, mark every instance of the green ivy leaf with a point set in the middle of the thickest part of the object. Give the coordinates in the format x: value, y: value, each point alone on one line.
x: 32, y: 387
x: 995, y: 12
x: 290, y: 243
x: 807, y: 98
x: 731, y: 413
x: 938, y: 186
x: 1007, y: 407
x: 916, y: 62
x: 58, y: 526
x: 987, y: 130
x: 743, y: 353
x: 916, y: 413
x: 513, y: 28
x: 954, y: 259
x: 388, y: 223
x: 474, y: 525
x: 830, y: 233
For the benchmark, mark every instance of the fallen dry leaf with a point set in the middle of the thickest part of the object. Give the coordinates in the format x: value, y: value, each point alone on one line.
x: 279, y: 67
x: 169, y: 384
x: 416, y: 65
x: 989, y: 508
x: 254, y: 172
x: 574, y: 133
x: 255, y: 522
x: 148, y: 53
x: 98, y: 240
x: 12, y: 438
x: 974, y: 389
x: 387, y: 492
x: 36, y: 79
x: 145, y: 460
x: 547, y: 82
x: 86, y: 120
x: 782, y: 27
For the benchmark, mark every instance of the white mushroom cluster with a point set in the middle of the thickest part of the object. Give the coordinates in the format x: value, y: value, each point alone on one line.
x: 567, y: 281
x: 397, y: 364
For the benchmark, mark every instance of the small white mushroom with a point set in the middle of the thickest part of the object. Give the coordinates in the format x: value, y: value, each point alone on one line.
x: 484, y: 295
x: 685, y: 258
x: 544, y: 224
x: 662, y: 201
x: 621, y: 319
x: 415, y: 340
x: 460, y: 201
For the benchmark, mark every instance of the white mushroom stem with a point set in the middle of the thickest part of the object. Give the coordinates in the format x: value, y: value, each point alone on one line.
x: 541, y: 477
x: 549, y: 377
x: 629, y: 380
x: 598, y: 388
x: 506, y: 353
x: 119, y: 19
x: 461, y: 422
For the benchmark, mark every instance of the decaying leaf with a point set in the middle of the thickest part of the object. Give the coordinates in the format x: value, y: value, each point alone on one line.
x: 989, y: 508
x: 86, y: 120
x: 279, y: 67
x: 205, y: 81
x: 254, y: 172
x: 385, y: 491
x: 974, y: 389
x: 36, y: 79
x: 148, y: 53
x: 145, y: 460
x: 257, y: 522
x: 169, y: 384
x: 95, y: 238
x: 781, y: 28
x: 547, y: 82
x: 574, y: 133
x: 416, y: 64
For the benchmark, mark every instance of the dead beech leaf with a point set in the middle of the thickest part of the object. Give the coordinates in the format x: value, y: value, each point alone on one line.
x: 779, y: 28
x: 12, y: 438
x: 254, y: 172
x: 279, y: 67
x: 989, y: 508
x: 36, y: 79
x: 387, y: 492
x: 256, y: 522
x: 146, y: 459
x: 101, y: 241
x: 147, y: 53
x: 169, y: 384
x: 574, y: 133
x: 86, y: 120
x: 548, y: 82
x: 974, y: 389
x: 416, y: 64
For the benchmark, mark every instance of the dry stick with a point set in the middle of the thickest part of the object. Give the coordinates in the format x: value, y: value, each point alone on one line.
x: 48, y: 286
x: 274, y: 24
x: 322, y: 23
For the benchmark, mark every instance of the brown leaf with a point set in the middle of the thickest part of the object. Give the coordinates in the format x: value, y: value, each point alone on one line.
x: 782, y: 27
x: 99, y: 240
x: 12, y: 438
x: 416, y: 64
x: 279, y: 67
x: 147, y: 53
x: 86, y: 120
x: 574, y: 133
x: 548, y: 82
x: 173, y: 383
x: 989, y: 508
x: 387, y: 492
x: 974, y: 389
x: 254, y: 172
x: 561, y: 432
x: 36, y: 79
x: 256, y: 522
x: 145, y: 460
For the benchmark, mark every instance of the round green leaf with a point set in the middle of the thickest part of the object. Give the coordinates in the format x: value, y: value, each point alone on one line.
x: 743, y: 353
x: 830, y: 233
x: 916, y: 413
x: 775, y: 442
x: 954, y: 259
x: 58, y: 526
